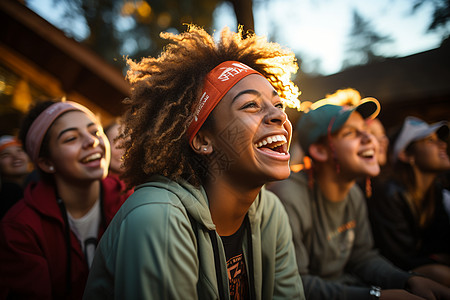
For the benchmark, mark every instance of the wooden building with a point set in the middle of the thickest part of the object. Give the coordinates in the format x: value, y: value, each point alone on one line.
x: 37, y: 61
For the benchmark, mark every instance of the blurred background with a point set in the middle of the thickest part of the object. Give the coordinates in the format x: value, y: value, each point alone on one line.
x: 394, y: 50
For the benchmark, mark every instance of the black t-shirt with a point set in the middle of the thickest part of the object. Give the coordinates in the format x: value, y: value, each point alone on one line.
x: 237, y: 272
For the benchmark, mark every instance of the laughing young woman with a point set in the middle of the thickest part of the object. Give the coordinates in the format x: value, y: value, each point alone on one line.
x: 48, y: 239
x: 206, y: 129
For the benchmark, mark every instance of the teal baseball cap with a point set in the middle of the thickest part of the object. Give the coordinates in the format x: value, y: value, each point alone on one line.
x: 314, y: 124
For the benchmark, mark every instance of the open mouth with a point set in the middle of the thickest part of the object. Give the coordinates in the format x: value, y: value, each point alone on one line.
x: 274, y: 143
x: 18, y: 163
x: 92, y: 157
x: 368, y: 154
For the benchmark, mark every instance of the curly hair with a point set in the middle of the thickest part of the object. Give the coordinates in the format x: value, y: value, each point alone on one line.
x: 166, y: 90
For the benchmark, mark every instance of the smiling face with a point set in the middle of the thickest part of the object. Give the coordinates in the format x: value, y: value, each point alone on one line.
x: 13, y: 162
x: 116, y: 153
x: 79, y: 150
x: 377, y: 129
x: 355, y: 149
x: 430, y: 154
x: 251, y: 133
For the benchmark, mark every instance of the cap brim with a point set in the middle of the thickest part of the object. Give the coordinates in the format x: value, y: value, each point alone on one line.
x: 410, y: 133
x: 369, y: 108
x: 443, y: 130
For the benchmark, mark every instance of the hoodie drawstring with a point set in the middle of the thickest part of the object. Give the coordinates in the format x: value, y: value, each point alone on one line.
x: 215, y: 245
x: 63, y: 210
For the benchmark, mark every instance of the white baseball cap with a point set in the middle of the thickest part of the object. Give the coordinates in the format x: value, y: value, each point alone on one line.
x: 414, y: 129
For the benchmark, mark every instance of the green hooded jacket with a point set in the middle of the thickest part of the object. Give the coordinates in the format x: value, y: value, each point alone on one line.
x: 153, y: 250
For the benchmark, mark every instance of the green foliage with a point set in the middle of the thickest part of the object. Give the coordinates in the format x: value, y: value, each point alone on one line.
x: 131, y: 28
x: 364, y: 43
x: 441, y: 15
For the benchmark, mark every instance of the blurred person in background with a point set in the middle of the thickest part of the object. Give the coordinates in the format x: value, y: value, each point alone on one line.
x: 14, y: 169
x: 409, y: 212
x: 376, y: 128
x: 328, y: 213
x: 112, y: 132
x: 48, y: 239
x: 367, y: 184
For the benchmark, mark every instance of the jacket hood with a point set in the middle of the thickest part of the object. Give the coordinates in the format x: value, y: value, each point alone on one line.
x: 195, y: 199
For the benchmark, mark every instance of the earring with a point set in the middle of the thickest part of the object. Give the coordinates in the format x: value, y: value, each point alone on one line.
x: 205, y: 149
x: 368, y: 187
x: 51, y: 168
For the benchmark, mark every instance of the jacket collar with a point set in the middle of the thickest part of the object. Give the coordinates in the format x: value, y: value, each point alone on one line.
x: 41, y: 196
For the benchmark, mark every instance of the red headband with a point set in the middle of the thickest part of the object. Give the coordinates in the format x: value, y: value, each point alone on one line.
x: 216, y: 84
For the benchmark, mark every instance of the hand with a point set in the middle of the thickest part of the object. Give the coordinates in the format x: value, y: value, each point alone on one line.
x: 437, y: 272
x: 398, y: 295
x: 427, y: 288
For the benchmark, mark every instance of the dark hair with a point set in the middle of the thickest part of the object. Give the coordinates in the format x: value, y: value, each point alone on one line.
x: 29, y: 118
x: 109, y: 127
x: 404, y: 174
x: 112, y: 124
x: 166, y: 89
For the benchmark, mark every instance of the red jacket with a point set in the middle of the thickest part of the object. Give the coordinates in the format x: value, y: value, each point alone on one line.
x: 33, y: 244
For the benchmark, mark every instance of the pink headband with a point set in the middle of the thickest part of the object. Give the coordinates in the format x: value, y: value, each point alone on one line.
x: 216, y: 84
x: 42, y: 123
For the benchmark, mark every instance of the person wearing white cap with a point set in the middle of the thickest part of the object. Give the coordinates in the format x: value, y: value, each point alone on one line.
x: 410, y: 222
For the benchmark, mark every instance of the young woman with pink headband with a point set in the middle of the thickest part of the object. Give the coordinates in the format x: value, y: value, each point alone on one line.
x: 48, y: 239
x: 206, y: 129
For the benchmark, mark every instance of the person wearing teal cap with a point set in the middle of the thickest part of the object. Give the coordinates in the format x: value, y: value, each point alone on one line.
x: 328, y: 214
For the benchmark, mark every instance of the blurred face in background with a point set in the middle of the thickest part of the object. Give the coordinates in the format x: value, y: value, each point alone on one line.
x: 377, y: 129
x: 14, y: 163
x: 430, y: 154
x: 116, y: 153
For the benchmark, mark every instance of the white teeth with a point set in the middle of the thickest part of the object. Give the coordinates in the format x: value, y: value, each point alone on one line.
x: 272, y: 139
x: 92, y: 157
x: 368, y: 153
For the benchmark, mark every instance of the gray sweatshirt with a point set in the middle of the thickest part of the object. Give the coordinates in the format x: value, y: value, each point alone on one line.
x: 334, y: 244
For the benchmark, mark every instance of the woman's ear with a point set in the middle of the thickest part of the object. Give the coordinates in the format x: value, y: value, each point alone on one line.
x: 202, y: 144
x: 318, y: 152
x: 45, y: 165
x: 407, y: 159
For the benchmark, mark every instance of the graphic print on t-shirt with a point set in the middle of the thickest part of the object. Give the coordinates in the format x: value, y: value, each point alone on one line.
x: 237, y: 277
